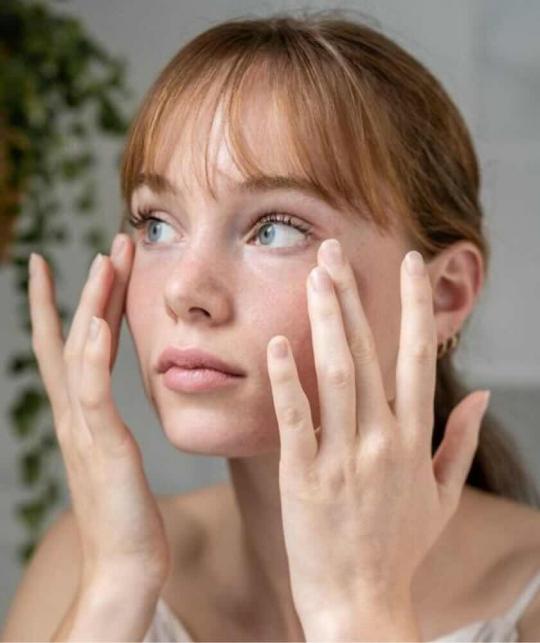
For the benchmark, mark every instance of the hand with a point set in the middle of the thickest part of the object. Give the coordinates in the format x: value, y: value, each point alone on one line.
x: 362, y: 501
x: 120, y: 527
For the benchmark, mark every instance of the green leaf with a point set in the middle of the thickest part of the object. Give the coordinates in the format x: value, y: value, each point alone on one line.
x: 51, y: 494
x: 21, y: 362
x: 95, y: 239
x: 25, y: 410
x: 109, y: 118
x: 86, y: 200
x: 31, y: 513
x: 26, y: 551
x: 79, y: 130
x: 49, y: 441
x: 30, y: 466
x: 59, y: 234
x: 74, y: 166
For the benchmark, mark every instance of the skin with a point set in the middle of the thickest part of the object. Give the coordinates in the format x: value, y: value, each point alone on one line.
x: 216, y: 285
x: 206, y: 282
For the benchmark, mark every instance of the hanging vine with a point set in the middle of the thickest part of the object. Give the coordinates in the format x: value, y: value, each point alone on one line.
x: 59, y: 89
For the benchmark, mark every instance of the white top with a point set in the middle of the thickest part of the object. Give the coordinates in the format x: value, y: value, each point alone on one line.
x: 167, y: 627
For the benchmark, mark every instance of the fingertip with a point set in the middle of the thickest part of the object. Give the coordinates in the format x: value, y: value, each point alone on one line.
x: 95, y: 327
x: 278, y: 347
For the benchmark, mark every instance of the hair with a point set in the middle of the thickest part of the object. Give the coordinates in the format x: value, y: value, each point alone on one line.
x: 360, y: 120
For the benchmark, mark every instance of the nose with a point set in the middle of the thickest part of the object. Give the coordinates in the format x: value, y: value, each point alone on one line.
x: 198, y: 288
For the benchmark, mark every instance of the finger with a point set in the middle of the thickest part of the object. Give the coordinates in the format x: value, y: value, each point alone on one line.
x: 453, y: 459
x: 417, y: 359
x: 104, y: 423
x: 92, y: 302
x: 121, y: 258
x: 333, y: 363
x: 297, y: 437
x: 371, y: 403
x: 47, y: 334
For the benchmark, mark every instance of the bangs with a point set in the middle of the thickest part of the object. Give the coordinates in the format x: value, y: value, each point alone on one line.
x: 290, y: 112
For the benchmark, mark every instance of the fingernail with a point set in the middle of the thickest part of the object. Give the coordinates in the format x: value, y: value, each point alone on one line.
x: 279, y: 348
x: 118, y: 245
x: 95, y: 264
x: 415, y: 263
x: 32, y: 264
x: 94, y: 328
x: 485, y: 402
x: 332, y: 253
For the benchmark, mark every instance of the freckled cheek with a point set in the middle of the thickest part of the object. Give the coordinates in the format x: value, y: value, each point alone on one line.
x: 141, y: 297
x: 288, y: 311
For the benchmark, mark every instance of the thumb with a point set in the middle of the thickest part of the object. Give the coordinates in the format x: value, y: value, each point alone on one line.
x: 453, y: 459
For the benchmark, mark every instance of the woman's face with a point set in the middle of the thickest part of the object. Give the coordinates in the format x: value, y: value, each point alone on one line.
x: 211, y: 277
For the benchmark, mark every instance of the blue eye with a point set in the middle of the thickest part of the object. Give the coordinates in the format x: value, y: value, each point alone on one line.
x: 142, y: 218
x: 271, y: 219
x: 155, y: 223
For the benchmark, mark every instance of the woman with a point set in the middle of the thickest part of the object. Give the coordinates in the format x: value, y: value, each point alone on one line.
x: 367, y: 487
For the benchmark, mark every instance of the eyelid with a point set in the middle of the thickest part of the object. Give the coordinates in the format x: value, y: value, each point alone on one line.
x: 147, y: 211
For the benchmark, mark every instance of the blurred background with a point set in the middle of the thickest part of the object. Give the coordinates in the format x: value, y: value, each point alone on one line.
x: 486, y: 53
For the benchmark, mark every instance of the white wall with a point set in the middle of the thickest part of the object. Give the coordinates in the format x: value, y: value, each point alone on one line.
x: 487, y: 55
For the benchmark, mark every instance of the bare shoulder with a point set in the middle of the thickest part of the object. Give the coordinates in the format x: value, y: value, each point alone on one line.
x: 515, y: 535
x: 521, y: 524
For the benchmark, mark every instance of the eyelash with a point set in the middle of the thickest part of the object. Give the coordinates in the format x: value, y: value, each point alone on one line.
x: 141, y: 217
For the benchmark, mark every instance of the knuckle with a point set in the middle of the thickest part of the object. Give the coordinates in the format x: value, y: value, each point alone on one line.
x: 377, y: 446
x: 422, y: 296
x: 63, y: 431
x: 89, y: 399
x: 283, y: 376
x: 363, y: 349
x: 69, y: 355
x: 423, y: 351
x: 339, y: 375
x: 292, y: 416
x: 328, y: 312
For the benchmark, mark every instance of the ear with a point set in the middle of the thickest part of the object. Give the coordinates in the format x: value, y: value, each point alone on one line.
x: 457, y: 277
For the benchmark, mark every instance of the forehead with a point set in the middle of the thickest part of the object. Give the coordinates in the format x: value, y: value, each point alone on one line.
x: 206, y: 150
x: 176, y: 174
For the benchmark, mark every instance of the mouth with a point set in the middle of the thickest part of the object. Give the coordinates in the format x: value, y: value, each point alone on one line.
x: 192, y: 380
x: 194, y: 358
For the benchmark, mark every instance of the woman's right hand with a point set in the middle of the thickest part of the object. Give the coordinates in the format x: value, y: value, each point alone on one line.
x: 121, y: 530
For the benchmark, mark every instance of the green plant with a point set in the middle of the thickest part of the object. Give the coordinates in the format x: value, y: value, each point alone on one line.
x: 58, y: 88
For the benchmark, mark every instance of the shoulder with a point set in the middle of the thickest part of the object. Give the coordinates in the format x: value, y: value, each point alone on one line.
x: 514, y: 532
x: 490, y: 511
x: 48, y: 583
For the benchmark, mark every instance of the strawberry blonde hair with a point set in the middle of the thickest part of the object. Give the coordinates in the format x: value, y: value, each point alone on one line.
x: 362, y: 123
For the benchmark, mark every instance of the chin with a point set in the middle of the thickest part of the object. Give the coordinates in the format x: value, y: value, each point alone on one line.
x: 218, y: 436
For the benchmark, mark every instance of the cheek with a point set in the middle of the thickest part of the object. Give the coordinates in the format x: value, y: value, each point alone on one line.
x: 140, y: 303
x: 384, y: 317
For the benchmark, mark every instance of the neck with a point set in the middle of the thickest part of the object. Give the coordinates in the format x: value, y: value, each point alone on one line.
x: 255, y: 483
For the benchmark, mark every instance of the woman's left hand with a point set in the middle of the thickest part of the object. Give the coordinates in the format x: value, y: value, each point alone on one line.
x: 364, y: 501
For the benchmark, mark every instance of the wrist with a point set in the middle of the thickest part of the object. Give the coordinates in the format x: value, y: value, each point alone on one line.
x: 110, y: 577
x: 364, y: 620
x: 113, y: 610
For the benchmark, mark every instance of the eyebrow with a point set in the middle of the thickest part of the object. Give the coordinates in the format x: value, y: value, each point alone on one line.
x: 271, y: 183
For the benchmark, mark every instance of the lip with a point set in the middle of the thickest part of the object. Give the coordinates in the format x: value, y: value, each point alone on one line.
x: 195, y: 358
x: 195, y: 380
